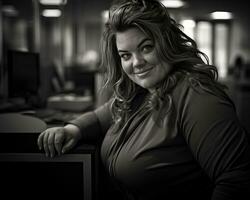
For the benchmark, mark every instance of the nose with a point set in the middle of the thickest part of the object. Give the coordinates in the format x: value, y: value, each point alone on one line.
x: 138, y: 60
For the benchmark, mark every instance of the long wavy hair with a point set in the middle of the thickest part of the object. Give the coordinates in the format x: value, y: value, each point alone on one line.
x: 172, y: 46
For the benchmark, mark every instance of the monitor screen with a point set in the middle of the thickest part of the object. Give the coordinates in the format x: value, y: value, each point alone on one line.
x: 23, y: 74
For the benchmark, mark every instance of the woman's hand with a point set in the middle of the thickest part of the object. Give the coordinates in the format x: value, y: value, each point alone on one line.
x: 58, y: 139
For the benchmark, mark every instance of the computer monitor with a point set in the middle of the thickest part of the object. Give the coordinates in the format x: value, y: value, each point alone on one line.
x: 23, y: 74
x: 83, y: 80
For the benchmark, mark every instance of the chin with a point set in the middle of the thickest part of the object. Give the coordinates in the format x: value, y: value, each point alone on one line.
x: 147, y: 86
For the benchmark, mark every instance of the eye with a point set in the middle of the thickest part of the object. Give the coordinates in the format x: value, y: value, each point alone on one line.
x: 125, y: 56
x: 147, y: 48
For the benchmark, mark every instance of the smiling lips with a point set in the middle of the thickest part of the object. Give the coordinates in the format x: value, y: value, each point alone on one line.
x: 142, y: 73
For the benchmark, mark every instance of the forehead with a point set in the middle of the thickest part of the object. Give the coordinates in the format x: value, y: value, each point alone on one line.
x: 129, y: 38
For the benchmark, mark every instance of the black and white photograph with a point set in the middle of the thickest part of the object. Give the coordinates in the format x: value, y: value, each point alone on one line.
x: 124, y: 100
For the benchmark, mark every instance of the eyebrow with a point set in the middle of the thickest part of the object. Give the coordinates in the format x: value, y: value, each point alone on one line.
x: 138, y: 46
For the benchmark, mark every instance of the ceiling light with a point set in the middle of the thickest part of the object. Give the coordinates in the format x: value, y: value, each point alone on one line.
x: 53, y: 2
x: 221, y: 15
x: 51, y: 13
x: 173, y: 3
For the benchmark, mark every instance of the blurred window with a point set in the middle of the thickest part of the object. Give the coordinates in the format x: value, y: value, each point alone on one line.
x: 213, y: 38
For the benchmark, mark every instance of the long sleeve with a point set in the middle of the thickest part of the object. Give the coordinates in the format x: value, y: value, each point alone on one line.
x: 94, y: 124
x: 217, y: 141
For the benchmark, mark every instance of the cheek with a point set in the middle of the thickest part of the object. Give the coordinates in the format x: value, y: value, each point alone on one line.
x: 127, y: 68
x: 152, y: 59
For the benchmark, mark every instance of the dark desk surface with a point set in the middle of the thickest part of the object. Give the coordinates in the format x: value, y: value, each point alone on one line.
x: 15, y: 122
x: 50, y: 116
x: 60, y: 109
x: 19, y: 133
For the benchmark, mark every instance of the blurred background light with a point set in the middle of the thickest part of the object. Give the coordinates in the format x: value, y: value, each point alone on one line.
x: 9, y: 11
x: 189, y: 23
x: 105, y: 15
x: 51, y: 13
x: 173, y: 3
x: 53, y: 2
x: 221, y: 15
x: 188, y: 27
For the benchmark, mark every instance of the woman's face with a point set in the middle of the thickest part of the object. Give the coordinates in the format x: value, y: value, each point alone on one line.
x: 139, y: 59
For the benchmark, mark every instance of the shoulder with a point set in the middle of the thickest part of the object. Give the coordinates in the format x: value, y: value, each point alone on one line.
x: 193, y: 87
x: 196, y: 98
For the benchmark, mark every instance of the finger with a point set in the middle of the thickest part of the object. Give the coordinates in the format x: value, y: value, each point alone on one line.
x: 59, y: 138
x: 51, y: 146
x: 40, y: 140
x: 45, y: 143
x: 68, y: 146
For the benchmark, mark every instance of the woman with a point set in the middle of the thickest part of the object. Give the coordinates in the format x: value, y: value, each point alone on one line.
x: 169, y: 131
